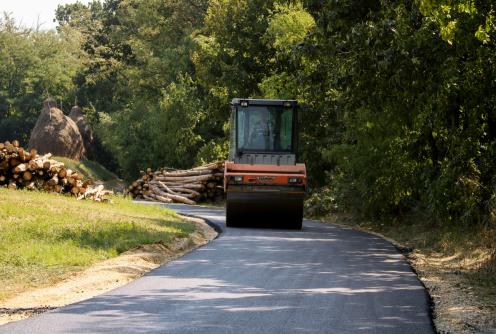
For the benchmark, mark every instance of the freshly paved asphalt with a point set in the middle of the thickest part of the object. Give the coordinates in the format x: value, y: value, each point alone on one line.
x: 323, y: 279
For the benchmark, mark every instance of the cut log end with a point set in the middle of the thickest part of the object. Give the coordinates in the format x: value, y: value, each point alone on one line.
x: 180, y: 186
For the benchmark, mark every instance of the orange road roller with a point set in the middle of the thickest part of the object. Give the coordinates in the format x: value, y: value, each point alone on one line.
x: 264, y: 185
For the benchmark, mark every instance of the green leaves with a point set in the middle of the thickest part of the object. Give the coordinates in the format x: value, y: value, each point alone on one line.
x: 461, y: 19
x: 397, y: 96
x: 288, y: 26
x: 403, y: 95
x: 484, y: 31
x: 34, y: 65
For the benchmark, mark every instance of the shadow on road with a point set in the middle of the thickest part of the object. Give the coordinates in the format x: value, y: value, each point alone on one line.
x: 323, y: 279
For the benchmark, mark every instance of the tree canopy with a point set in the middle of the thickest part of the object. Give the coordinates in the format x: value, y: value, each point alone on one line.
x: 398, y: 97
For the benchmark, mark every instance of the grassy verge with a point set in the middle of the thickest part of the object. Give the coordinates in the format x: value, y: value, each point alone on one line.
x: 94, y: 171
x: 46, y: 237
x: 457, y: 264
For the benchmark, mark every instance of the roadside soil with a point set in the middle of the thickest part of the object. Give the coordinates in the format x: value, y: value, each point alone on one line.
x: 459, y: 306
x: 104, y: 276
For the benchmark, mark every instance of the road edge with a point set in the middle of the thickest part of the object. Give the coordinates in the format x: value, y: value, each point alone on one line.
x: 11, y: 310
x: 405, y: 252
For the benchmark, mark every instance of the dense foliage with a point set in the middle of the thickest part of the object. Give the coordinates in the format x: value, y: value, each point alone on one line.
x: 34, y: 65
x: 399, y: 96
x: 412, y: 84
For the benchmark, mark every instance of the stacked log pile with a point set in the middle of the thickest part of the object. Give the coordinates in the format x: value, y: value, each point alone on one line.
x: 22, y: 169
x: 200, y: 184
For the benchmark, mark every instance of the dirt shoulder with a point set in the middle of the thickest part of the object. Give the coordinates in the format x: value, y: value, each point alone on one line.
x: 464, y: 301
x: 104, y: 276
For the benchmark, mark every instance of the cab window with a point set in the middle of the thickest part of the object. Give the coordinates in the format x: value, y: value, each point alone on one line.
x: 265, y: 129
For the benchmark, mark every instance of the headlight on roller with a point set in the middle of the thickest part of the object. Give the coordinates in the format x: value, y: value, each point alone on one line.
x: 294, y: 180
x: 237, y: 179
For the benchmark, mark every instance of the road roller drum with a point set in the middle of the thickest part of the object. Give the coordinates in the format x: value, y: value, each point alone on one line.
x: 264, y: 184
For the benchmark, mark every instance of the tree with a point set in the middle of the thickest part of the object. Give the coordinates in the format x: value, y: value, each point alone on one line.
x: 33, y: 66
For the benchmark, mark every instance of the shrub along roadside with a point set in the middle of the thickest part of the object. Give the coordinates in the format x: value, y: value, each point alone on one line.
x: 46, y: 237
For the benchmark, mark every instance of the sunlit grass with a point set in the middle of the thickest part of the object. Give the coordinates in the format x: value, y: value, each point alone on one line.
x: 95, y: 172
x: 88, y: 169
x: 44, y: 237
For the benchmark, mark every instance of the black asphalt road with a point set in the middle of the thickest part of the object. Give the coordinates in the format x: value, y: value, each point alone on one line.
x: 323, y: 279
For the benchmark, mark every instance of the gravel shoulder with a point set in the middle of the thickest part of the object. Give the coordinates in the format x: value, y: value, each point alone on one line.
x: 104, y: 276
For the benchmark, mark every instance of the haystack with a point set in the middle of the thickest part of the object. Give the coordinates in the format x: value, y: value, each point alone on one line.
x: 56, y: 133
x: 79, y: 118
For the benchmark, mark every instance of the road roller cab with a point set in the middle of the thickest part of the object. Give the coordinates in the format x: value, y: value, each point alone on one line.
x: 263, y: 183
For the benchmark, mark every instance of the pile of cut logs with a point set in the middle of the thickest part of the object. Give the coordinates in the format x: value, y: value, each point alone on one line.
x: 200, y: 184
x: 21, y: 169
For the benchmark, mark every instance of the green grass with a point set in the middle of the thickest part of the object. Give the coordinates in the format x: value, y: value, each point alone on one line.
x: 45, y: 237
x: 94, y: 171
x: 89, y: 169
